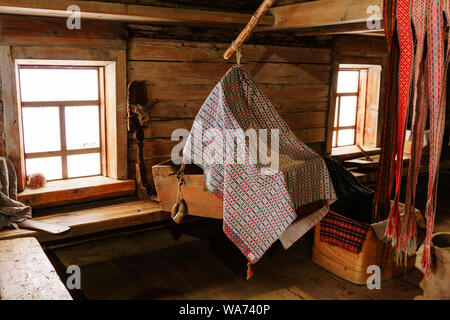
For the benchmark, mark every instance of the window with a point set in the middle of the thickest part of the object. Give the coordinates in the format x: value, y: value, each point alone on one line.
x: 62, y: 120
x: 111, y: 65
x: 356, y: 111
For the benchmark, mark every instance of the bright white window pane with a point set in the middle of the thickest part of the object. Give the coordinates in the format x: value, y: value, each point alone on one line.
x: 49, y: 167
x: 347, y: 116
x: 83, y: 165
x: 334, y: 138
x: 41, y: 129
x: 336, y: 112
x: 348, y: 81
x: 82, y: 127
x: 346, y: 137
x: 58, y: 84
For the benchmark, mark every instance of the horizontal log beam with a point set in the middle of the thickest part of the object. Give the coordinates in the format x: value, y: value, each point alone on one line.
x: 347, y: 28
x: 124, y: 12
x: 325, y: 13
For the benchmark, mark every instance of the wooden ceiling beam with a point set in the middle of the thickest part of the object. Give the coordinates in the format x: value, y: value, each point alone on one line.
x: 348, y: 28
x: 125, y: 12
x: 322, y: 13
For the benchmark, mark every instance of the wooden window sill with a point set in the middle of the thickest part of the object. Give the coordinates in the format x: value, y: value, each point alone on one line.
x: 349, y: 152
x: 84, y: 222
x: 64, y: 192
x: 371, y: 177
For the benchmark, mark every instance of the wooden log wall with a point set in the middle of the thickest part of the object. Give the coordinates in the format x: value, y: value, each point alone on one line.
x: 181, y: 74
x: 181, y: 65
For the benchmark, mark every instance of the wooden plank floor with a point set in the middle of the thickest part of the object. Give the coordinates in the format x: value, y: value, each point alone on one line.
x: 212, y: 269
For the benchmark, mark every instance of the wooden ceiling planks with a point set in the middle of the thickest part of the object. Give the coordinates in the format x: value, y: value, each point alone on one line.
x: 243, y: 6
x: 124, y: 12
x: 322, y: 13
x: 308, y: 18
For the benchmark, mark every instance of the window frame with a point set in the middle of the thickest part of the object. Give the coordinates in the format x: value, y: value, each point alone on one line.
x: 373, y: 104
x: 114, y: 62
x: 64, y: 152
x: 358, y: 96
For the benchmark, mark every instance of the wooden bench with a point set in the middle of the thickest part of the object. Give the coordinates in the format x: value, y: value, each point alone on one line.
x: 92, y: 220
x: 27, y: 274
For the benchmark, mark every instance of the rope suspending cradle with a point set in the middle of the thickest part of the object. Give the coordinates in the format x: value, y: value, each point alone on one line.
x: 260, y: 204
x: 246, y: 32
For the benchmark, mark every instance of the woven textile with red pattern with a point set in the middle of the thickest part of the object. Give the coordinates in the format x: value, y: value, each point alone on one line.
x: 428, y: 70
x: 405, y: 39
x: 346, y: 233
x: 386, y: 169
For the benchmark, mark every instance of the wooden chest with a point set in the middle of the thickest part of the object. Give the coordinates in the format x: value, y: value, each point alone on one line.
x: 353, y: 266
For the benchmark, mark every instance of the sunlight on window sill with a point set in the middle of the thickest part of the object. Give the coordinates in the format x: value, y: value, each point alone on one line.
x: 352, y: 151
x: 62, y: 192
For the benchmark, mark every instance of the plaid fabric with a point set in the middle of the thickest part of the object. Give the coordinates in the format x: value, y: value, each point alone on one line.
x: 258, y: 208
x: 343, y: 232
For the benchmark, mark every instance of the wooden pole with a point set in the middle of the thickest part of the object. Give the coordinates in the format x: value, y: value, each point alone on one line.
x: 245, y: 33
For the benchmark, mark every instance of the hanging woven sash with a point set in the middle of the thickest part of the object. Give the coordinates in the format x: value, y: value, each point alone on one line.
x: 405, y: 39
x: 429, y: 93
x: 435, y: 31
x: 408, y: 235
x: 381, y: 202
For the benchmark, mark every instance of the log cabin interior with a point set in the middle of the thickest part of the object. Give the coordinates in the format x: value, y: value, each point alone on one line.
x: 101, y: 103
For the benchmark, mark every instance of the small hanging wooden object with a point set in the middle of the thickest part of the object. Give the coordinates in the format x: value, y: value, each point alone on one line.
x: 245, y: 33
x: 180, y: 209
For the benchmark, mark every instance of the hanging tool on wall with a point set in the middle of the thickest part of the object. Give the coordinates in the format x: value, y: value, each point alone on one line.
x: 138, y: 118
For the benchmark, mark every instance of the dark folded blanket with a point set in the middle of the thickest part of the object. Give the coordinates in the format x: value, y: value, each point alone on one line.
x: 349, y: 228
x: 355, y: 200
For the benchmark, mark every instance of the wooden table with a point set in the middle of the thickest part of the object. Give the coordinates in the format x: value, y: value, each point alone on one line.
x: 27, y: 274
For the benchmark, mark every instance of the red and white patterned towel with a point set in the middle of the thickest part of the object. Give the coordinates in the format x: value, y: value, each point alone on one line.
x: 258, y: 208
